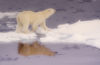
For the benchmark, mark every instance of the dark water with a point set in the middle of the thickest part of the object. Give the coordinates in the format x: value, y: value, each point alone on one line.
x: 71, y: 54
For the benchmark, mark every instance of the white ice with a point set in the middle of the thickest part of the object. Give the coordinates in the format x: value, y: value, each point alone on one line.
x: 86, y: 32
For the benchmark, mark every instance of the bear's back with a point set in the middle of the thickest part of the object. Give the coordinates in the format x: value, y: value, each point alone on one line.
x: 30, y: 16
x: 26, y: 13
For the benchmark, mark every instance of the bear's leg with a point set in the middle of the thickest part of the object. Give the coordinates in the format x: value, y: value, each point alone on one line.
x: 26, y: 28
x: 43, y: 25
x: 19, y: 27
x: 34, y: 27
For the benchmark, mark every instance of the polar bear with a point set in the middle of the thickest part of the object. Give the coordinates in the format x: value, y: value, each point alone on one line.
x: 35, y: 19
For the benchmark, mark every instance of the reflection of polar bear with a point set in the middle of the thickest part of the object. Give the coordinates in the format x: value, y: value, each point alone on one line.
x: 35, y: 19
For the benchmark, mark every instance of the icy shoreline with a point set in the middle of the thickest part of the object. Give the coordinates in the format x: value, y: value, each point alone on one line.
x: 80, y: 32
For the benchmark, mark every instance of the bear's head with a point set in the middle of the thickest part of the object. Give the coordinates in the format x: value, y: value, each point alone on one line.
x: 48, y: 12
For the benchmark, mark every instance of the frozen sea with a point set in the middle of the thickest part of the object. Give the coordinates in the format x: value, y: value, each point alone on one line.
x: 75, y: 32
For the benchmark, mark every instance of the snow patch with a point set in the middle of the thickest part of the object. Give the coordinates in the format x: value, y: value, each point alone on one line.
x: 87, y: 32
x: 8, y: 14
x: 13, y: 36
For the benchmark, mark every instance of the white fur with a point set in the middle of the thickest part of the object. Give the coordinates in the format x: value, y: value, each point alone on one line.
x: 35, y: 19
